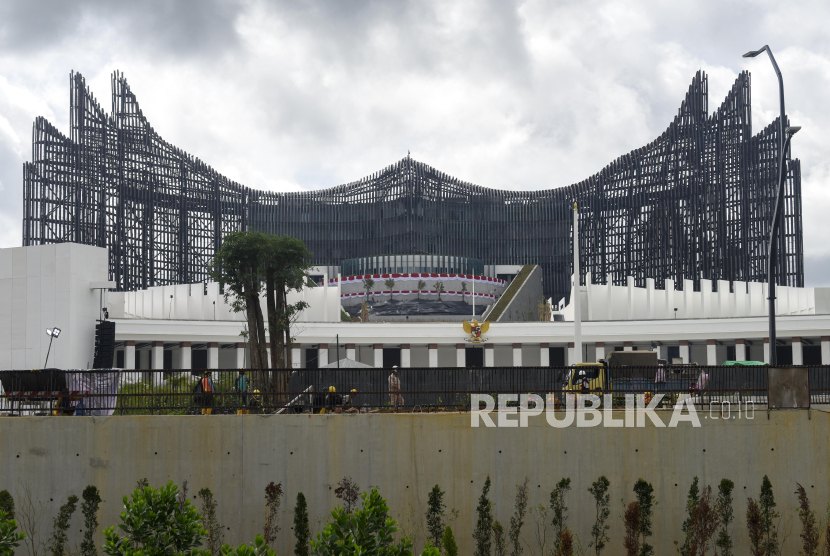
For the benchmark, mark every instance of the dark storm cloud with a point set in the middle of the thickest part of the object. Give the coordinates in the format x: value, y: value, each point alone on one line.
x: 175, y: 28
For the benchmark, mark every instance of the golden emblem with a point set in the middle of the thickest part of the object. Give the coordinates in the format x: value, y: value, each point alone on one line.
x: 475, y: 330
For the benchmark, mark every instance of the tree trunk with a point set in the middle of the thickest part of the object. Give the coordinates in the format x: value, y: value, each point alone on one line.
x: 253, y: 337
x: 274, y: 328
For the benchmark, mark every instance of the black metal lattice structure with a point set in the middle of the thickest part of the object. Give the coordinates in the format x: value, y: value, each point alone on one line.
x: 693, y: 204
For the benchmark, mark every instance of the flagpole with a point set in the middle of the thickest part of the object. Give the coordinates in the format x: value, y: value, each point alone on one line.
x: 576, y: 293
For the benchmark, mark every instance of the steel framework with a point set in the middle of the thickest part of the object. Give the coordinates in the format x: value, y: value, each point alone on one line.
x: 694, y: 203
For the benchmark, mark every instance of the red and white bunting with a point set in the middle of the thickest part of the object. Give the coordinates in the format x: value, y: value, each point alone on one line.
x: 357, y: 279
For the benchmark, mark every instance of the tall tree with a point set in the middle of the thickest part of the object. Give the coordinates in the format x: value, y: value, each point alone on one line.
x: 483, y: 533
x: 238, y: 265
x: 599, y: 531
x: 287, y: 262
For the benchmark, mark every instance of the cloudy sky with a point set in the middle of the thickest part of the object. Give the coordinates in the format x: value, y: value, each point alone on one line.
x: 516, y: 95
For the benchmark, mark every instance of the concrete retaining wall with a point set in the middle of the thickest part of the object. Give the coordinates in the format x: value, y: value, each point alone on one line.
x: 405, y: 455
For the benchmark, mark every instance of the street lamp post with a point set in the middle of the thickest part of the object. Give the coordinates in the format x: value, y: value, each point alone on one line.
x: 784, y: 136
x: 52, y: 333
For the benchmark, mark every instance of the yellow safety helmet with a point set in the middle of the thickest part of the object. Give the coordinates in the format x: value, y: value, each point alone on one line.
x: 331, y: 389
x: 353, y: 390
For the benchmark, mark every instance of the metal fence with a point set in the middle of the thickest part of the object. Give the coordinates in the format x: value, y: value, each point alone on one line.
x: 180, y: 392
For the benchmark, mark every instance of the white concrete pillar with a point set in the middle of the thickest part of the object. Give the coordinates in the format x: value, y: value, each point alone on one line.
x: 351, y: 352
x: 740, y: 350
x: 711, y: 352
x: 157, y: 357
x: 186, y: 356
x: 825, y: 350
x: 571, y: 354
x: 213, y: 355
x: 433, y: 355
x: 660, y: 349
x: 240, y: 355
x: 517, y: 355
x: 489, y: 357
x: 798, y: 353
x: 322, y: 355
x: 628, y: 346
x: 460, y: 355
x: 129, y: 354
x: 144, y: 359
x: 296, y: 356
x: 406, y: 356
x: 600, y: 348
x: 684, y: 351
x: 378, y: 356
x: 544, y: 355
x: 766, y: 350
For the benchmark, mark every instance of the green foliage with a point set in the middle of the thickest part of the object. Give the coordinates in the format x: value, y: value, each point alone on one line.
x: 256, y: 548
x: 301, y: 529
x: 155, y: 524
x: 499, y: 542
x: 436, y: 511
x: 368, y: 531
x: 766, y: 502
x: 599, y: 531
x: 688, y: 547
x: 89, y: 507
x: 517, y: 520
x: 60, y: 526
x: 645, y: 501
x: 727, y: 515
x: 210, y: 522
x: 9, y: 537
x: 7, y: 504
x: 483, y: 533
x: 557, y: 505
x: 448, y: 542
x: 430, y: 550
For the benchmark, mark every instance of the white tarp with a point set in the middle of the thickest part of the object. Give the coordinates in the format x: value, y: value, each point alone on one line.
x: 102, y: 387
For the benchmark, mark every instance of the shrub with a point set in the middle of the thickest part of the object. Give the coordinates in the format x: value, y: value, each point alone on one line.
x: 499, y: 541
x: 726, y: 515
x: 755, y: 528
x: 766, y: 503
x: 436, y: 510
x: 256, y: 548
x: 349, y: 492
x: 518, y: 518
x: 60, y: 526
x: 7, y: 504
x: 210, y: 522
x: 565, y: 543
x: 273, y: 494
x: 645, y: 503
x: 89, y: 507
x: 483, y: 533
x: 368, y: 529
x: 9, y: 537
x: 301, y: 530
x: 631, y: 542
x: 705, y: 520
x: 448, y: 542
x: 557, y: 505
x: 599, y: 531
x: 688, y: 548
x: 155, y: 525
x: 809, y: 528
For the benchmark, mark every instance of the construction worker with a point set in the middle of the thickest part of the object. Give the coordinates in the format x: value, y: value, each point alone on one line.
x: 241, y: 387
x: 395, y: 398
x: 206, y: 384
x: 350, y: 401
